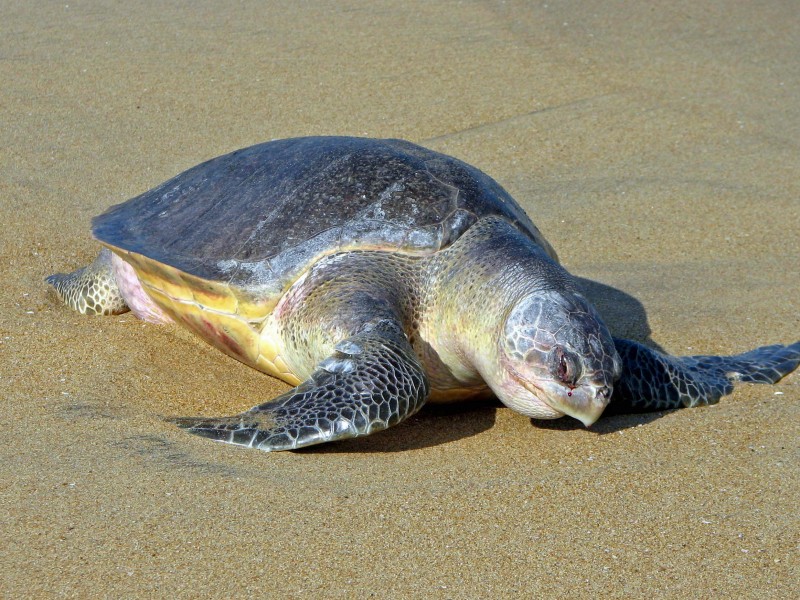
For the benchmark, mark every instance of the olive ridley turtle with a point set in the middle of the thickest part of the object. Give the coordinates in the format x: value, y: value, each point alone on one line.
x: 376, y: 275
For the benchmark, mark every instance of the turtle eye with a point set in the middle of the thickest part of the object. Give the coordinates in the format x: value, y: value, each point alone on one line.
x: 565, y: 367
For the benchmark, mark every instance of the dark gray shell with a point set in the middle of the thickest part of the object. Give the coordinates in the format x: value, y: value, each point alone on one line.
x: 254, y: 218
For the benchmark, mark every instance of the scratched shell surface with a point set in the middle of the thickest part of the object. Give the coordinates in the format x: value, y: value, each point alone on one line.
x: 254, y: 219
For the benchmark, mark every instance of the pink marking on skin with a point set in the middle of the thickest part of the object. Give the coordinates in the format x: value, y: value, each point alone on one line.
x: 137, y: 299
x: 223, y: 341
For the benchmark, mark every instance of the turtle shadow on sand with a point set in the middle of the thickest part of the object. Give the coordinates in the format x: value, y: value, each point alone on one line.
x: 623, y: 314
x: 439, y: 424
x: 434, y: 425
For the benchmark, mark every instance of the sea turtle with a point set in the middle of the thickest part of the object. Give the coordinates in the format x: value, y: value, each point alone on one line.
x: 375, y: 275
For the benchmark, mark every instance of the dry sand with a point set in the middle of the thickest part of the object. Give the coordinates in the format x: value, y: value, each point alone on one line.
x: 656, y: 148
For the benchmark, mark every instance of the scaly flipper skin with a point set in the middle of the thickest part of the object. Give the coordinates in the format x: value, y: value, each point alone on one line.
x: 371, y: 382
x: 652, y: 381
x: 91, y: 290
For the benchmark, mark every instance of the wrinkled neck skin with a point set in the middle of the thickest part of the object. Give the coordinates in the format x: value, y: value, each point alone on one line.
x: 477, y: 283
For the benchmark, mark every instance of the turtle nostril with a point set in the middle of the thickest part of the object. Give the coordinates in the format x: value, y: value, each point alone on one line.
x: 604, y: 393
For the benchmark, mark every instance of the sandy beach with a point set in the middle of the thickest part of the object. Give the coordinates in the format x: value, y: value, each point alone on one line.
x: 655, y: 146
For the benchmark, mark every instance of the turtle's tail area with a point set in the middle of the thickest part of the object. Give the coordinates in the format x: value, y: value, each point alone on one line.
x: 653, y: 381
x: 91, y: 290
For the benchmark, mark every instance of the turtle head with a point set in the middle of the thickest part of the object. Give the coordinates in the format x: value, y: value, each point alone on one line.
x: 556, y: 358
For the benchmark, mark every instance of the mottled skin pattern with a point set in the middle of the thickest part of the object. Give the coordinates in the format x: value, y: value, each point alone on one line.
x: 91, y: 290
x: 376, y: 275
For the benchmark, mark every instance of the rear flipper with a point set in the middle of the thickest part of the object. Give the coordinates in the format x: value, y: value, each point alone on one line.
x: 91, y: 290
x: 371, y: 382
x: 652, y: 381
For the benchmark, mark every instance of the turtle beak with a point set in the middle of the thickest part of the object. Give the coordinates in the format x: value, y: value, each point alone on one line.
x: 585, y: 403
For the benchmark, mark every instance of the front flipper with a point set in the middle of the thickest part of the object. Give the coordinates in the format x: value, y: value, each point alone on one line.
x: 652, y: 381
x: 371, y: 382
